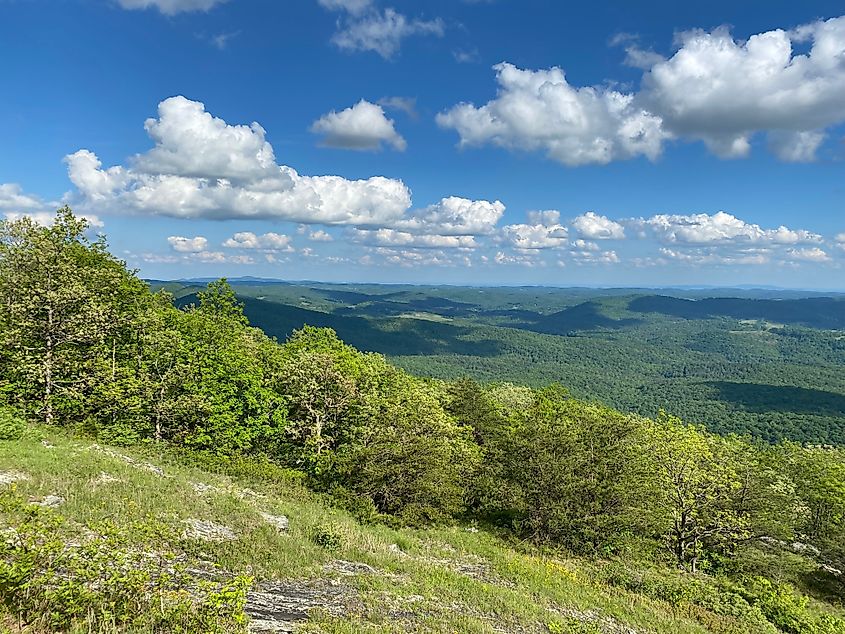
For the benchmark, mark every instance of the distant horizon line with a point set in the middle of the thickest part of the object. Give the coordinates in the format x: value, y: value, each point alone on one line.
x: 686, y: 287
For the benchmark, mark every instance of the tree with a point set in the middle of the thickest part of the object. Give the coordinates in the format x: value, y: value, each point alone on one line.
x: 225, y: 399
x: 61, y: 303
x: 557, y: 468
x: 819, y: 476
x: 409, y: 457
x: 706, y: 493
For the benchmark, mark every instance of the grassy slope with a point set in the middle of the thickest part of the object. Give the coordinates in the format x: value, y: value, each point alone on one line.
x: 435, y: 580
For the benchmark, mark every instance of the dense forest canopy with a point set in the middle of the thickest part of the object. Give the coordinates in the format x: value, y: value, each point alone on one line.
x: 765, y: 362
x: 88, y: 346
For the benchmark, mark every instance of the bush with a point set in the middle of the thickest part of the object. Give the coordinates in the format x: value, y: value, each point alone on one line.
x: 788, y: 609
x: 327, y: 537
x: 101, y: 583
x: 680, y: 590
x: 12, y: 426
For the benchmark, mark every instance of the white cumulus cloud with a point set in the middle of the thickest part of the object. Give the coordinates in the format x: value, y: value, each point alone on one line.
x: 46, y: 218
x: 455, y: 216
x: 382, y: 31
x: 181, y: 244
x: 540, y: 110
x: 720, y: 227
x: 268, y: 241
x: 320, y: 236
x: 535, y: 236
x: 363, y: 126
x: 715, y: 88
x: 810, y: 254
x: 201, y: 166
x: 14, y: 199
x: 722, y: 90
x: 394, y: 238
x: 595, y: 227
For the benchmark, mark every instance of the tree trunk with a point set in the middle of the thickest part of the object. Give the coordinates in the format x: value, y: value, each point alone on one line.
x: 158, y: 414
x: 48, y: 369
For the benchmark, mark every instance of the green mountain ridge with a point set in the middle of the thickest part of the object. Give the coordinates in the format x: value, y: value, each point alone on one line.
x: 166, y: 466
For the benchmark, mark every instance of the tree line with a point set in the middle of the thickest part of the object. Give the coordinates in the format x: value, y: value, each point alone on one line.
x: 87, y: 345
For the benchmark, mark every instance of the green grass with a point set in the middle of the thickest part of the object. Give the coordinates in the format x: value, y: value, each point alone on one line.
x: 447, y: 579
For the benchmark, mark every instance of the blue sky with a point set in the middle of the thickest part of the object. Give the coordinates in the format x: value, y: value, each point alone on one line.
x: 484, y: 142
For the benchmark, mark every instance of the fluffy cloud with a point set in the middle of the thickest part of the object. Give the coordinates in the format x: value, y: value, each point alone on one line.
x: 720, y: 227
x: 595, y: 227
x: 519, y: 259
x: 171, y: 7
x: 811, y: 254
x: 46, y: 218
x: 267, y: 242
x: 544, y: 231
x: 704, y: 256
x: 713, y: 88
x: 393, y: 238
x: 206, y: 257
x: 191, y: 142
x: 723, y: 90
x: 547, y: 218
x: 455, y: 216
x: 363, y: 126
x: 540, y: 110
x: 181, y: 244
x: 795, y: 147
x: 381, y: 31
x: 200, y: 166
x: 593, y: 256
x: 14, y: 199
x: 16, y: 204
x: 414, y: 258
x: 536, y: 236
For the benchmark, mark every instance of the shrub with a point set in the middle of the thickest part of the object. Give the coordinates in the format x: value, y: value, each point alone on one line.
x: 12, y: 426
x: 327, y: 537
x: 788, y: 609
x: 101, y: 583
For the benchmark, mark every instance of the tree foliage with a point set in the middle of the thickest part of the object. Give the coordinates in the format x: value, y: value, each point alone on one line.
x: 87, y: 345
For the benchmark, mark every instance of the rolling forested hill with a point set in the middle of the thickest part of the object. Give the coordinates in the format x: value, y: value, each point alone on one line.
x: 765, y: 362
x: 168, y: 470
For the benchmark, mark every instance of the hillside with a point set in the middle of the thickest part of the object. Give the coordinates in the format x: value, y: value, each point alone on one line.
x: 172, y: 468
x: 319, y: 571
x: 764, y: 362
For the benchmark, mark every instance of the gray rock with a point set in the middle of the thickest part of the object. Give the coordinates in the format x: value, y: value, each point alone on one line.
x: 10, y: 477
x: 280, y: 606
x: 105, y: 478
x: 50, y: 501
x: 349, y: 568
x: 206, y: 531
x: 279, y: 521
x: 397, y: 550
